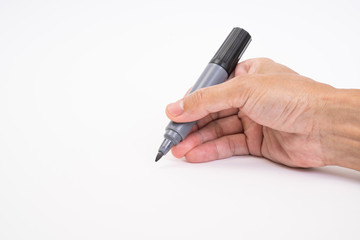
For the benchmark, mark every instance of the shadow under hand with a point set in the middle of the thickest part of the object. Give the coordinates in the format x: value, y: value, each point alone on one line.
x: 338, y: 172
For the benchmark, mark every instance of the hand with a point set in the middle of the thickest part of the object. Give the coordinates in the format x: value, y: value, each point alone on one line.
x: 266, y: 110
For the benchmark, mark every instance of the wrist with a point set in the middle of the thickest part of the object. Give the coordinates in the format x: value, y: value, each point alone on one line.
x: 340, y: 128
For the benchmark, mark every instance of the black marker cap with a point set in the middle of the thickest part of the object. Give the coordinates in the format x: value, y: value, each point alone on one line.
x: 231, y: 50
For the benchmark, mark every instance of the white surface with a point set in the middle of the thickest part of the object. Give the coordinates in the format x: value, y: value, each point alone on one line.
x: 83, y: 87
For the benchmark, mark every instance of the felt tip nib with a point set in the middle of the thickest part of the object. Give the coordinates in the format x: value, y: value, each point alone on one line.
x: 158, y: 156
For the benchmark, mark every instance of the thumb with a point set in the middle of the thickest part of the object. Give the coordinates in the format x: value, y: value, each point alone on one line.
x: 231, y: 94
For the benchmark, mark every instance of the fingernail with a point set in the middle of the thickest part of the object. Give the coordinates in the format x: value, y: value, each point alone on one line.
x: 176, y: 108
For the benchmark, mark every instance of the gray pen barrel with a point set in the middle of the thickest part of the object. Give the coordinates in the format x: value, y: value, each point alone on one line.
x: 212, y: 75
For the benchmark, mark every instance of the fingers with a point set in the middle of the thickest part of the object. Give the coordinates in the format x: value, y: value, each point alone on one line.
x: 243, y: 67
x: 220, y: 148
x: 217, y: 115
x: 212, y: 117
x: 202, y: 102
x: 215, y: 129
x: 253, y: 133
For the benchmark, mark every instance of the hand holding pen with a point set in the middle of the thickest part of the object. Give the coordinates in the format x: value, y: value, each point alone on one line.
x: 266, y: 110
x: 270, y: 111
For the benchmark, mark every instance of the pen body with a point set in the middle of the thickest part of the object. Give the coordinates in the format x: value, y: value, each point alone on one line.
x: 212, y: 75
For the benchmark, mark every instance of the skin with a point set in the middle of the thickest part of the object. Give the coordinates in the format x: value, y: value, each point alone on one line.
x: 269, y: 110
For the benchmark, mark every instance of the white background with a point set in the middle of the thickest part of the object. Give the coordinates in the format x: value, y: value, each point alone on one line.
x: 83, y: 88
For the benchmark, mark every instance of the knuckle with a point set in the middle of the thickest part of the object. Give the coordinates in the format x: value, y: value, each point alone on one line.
x: 196, y: 98
x: 265, y: 60
x: 219, y: 131
x: 191, y: 157
x: 199, y: 96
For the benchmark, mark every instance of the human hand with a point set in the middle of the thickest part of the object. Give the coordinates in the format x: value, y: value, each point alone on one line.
x: 266, y: 110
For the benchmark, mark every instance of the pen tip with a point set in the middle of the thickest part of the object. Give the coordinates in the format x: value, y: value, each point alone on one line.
x: 158, y: 156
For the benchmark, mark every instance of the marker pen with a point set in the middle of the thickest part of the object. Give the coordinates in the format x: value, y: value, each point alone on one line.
x: 216, y: 72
